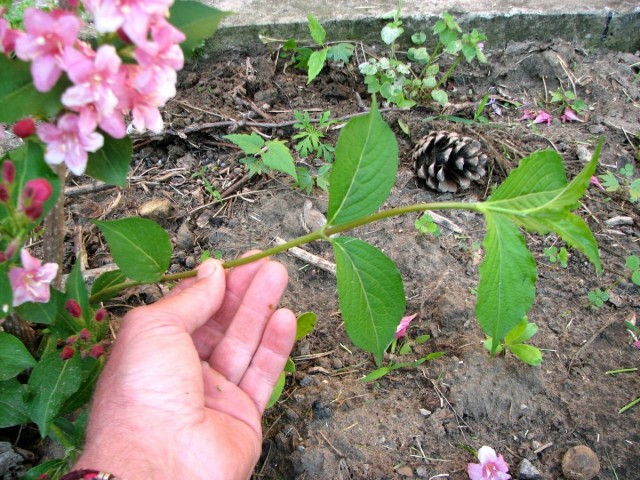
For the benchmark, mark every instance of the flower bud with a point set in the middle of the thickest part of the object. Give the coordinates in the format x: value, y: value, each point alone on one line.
x: 4, y: 194
x: 71, y: 340
x: 101, y: 314
x: 67, y: 352
x: 96, y: 351
x: 8, y: 172
x: 34, y: 211
x: 38, y: 190
x: 73, y: 307
x: 85, y: 334
x: 25, y: 128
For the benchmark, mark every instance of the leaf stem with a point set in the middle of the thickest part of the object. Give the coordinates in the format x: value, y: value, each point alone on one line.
x: 449, y: 72
x: 322, y: 234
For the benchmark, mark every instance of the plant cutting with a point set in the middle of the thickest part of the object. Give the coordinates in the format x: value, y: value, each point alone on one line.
x: 371, y: 294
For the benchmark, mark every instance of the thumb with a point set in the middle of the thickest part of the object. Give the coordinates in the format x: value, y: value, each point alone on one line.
x: 194, y: 305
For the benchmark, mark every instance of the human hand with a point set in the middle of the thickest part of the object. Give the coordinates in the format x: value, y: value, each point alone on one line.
x: 183, y: 392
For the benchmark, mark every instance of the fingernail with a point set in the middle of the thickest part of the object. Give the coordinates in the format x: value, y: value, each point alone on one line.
x: 207, y: 269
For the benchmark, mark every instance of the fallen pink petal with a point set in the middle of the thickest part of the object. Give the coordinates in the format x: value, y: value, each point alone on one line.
x: 637, y: 344
x: 542, y: 117
x: 570, y: 116
x: 595, y: 181
x: 527, y: 115
x: 491, y: 466
x: 401, y: 331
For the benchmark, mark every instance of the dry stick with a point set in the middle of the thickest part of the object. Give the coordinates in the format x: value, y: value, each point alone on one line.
x: 188, y: 105
x: 305, y: 256
x: 338, y: 452
x: 590, y: 341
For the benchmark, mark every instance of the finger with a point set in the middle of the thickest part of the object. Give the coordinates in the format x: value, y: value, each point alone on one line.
x: 194, y: 305
x: 270, y: 358
x: 233, y: 354
x: 238, y: 281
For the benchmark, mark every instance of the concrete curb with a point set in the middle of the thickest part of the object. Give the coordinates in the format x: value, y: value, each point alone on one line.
x: 615, y: 25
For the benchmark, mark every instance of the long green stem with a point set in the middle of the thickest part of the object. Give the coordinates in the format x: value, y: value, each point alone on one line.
x: 449, y: 72
x: 322, y: 234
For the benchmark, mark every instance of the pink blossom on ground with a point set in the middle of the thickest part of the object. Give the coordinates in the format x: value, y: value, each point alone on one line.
x: 569, y: 116
x: 30, y: 283
x: 595, y: 181
x: 47, y: 35
x: 637, y: 344
x: 401, y: 331
x: 542, y: 117
x: 527, y: 115
x: 69, y: 141
x: 491, y: 466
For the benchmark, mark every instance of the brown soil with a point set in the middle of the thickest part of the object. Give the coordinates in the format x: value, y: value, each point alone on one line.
x: 414, y: 422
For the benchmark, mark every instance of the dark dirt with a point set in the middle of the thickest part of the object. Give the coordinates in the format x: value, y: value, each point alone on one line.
x: 413, y: 422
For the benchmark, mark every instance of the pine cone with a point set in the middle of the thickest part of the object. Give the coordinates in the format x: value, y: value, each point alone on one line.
x: 448, y: 162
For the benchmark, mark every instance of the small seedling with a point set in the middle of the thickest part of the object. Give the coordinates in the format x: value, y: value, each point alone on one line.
x: 427, y: 226
x: 633, y: 264
x: 313, y: 61
x: 309, y: 138
x: 554, y: 255
x: 206, y: 183
x: 611, y: 183
x: 514, y: 342
x: 262, y: 157
x: 567, y: 98
x: 597, y: 298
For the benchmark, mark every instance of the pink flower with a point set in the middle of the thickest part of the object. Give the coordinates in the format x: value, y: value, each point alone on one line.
x: 96, y: 351
x: 491, y: 467
x: 30, y: 283
x: 542, y: 117
x: 595, y: 181
x: 95, y: 79
x: 401, y: 331
x: 637, y: 344
x: 569, y: 116
x: 47, y: 35
x: 69, y: 141
x: 159, y: 59
x: 133, y: 16
x: 143, y: 106
x: 101, y: 314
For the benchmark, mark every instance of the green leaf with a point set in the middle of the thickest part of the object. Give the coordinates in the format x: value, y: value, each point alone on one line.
x: 390, y: 34
x: 610, y: 182
x: 341, y: 52
x: 13, y: 409
x: 111, y: 163
x: 365, y: 168
x: 440, y: 96
x: 316, y: 63
x: 527, y: 353
x: 536, y: 196
x: 277, y: 390
x: 306, y: 324
x: 19, y: 97
x: 376, y: 374
x: 250, y: 144
x: 6, y: 293
x: 43, y: 313
x: 197, y: 21
x: 371, y: 294
x: 76, y: 290
x: 317, y: 31
x: 422, y: 339
x: 14, y: 357
x: 635, y: 277
x: 51, y: 383
x: 91, y: 369
x: 105, y: 281
x: 507, y: 278
x: 52, y: 469
x: 290, y: 367
x: 522, y: 332
x: 278, y: 157
x: 140, y: 247
x: 419, y: 38
x: 632, y: 262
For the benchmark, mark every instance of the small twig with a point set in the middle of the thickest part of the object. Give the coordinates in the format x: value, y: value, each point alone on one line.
x: 338, y: 452
x: 590, y: 341
x: 543, y: 448
x: 305, y: 256
x: 192, y: 107
x: 92, y: 187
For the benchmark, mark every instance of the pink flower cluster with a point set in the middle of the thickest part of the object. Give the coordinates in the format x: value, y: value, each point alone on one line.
x: 104, y: 89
